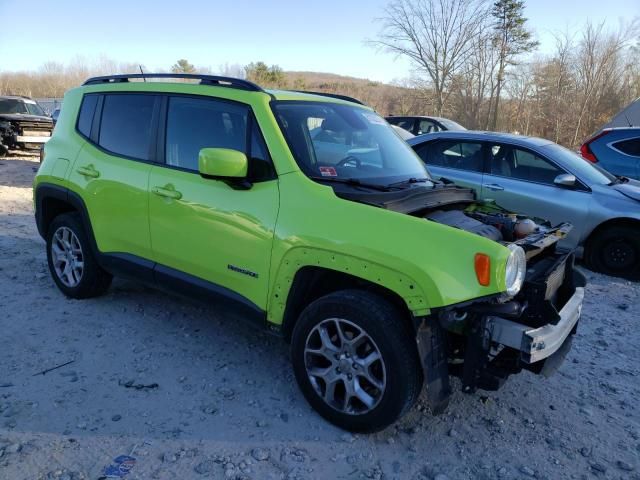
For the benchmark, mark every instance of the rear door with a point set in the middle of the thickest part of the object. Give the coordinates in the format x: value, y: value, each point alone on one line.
x: 522, y: 181
x: 112, y: 169
x: 456, y: 160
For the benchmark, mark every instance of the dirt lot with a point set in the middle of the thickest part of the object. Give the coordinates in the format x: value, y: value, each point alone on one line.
x: 216, y: 399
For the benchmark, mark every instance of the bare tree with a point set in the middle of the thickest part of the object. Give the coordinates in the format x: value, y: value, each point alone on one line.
x: 599, y: 65
x: 435, y: 35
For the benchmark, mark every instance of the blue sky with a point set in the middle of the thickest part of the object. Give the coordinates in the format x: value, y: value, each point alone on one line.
x: 324, y: 35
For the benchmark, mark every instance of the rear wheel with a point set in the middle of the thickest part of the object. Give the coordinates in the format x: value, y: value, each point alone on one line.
x: 355, y: 360
x: 71, y: 262
x: 615, y: 251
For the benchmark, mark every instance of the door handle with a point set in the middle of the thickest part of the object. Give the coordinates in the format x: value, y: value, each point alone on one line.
x: 495, y: 187
x: 88, y: 171
x: 167, y: 192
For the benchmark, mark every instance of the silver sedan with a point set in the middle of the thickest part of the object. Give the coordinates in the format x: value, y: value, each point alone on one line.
x: 540, y: 178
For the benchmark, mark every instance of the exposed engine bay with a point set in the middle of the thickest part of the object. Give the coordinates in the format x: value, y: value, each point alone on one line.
x: 491, y: 221
x: 458, y: 207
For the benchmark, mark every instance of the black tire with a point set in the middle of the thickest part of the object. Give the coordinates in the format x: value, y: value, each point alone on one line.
x: 615, y: 251
x: 385, y: 325
x: 93, y: 280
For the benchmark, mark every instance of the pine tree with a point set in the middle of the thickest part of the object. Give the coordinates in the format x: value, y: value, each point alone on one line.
x: 511, y: 39
x: 183, y: 66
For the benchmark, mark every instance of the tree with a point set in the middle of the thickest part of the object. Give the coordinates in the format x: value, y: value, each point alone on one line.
x: 511, y: 39
x: 262, y: 74
x: 435, y: 35
x: 183, y: 66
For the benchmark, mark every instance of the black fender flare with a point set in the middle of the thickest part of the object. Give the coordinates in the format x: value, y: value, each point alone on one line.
x: 46, y: 191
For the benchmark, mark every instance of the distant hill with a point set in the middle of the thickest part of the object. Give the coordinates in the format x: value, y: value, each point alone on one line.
x: 384, y: 98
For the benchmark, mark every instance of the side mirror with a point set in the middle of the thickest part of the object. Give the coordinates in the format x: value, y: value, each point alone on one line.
x: 565, y: 180
x: 222, y: 163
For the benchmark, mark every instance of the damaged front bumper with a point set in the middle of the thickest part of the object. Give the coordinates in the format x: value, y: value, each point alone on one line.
x: 485, y: 342
x: 536, y: 344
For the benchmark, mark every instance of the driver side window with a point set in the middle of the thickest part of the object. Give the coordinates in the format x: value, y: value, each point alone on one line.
x: 520, y: 164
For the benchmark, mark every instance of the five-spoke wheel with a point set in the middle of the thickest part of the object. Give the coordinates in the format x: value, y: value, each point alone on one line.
x: 345, y: 366
x: 71, y: 260
x: 355, y: 359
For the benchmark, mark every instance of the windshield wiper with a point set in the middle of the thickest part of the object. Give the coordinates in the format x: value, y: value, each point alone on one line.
x: 409, y: 181
x: 354, y: 182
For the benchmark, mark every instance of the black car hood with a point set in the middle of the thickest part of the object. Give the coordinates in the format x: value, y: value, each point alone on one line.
x: 12, y: 117
x: 629, y: 189
x: 409, y: 200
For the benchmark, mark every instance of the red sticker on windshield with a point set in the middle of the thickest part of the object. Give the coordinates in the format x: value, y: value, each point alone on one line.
x: 328, y: 172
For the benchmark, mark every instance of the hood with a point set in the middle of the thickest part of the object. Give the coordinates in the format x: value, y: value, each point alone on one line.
x: 629, y: 189
x: 20, y: 117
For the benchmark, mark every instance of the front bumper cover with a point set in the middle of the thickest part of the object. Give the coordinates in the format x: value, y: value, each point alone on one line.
x: 536, y: 344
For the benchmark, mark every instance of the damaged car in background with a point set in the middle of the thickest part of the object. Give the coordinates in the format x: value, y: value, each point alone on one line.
x: 24, y: 125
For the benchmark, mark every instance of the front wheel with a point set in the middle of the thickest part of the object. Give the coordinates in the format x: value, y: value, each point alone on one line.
x: 355, y: 360
x: 615, y: 251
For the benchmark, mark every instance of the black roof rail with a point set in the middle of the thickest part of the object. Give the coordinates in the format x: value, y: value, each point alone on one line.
x: 332, y: 95
x: 204, y: 80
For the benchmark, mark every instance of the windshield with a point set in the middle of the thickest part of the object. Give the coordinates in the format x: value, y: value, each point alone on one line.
x: 582, y: 169
x: 13, y: 106
x: 337, y: 142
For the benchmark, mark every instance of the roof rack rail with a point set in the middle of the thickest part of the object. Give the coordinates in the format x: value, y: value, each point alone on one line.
x: 204, y: 80
x: 332, y: 95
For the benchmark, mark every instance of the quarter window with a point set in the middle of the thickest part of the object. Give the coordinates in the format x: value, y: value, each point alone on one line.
x: 126, y: 126
x: 509, y: 161
x: 85, y: 118
x: 454, y: 154
x: 194, y: 124
x: 629, y: 147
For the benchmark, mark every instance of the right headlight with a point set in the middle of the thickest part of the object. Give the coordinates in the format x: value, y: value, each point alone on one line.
x: 515, y: 270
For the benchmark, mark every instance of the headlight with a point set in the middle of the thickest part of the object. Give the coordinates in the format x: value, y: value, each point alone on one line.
x: 515, y: 270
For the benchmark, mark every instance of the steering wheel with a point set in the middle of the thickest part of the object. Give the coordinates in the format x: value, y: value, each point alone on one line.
x: 349, y: 159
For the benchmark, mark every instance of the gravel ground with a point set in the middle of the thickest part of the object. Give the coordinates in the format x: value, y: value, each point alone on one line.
x: 190, y: 391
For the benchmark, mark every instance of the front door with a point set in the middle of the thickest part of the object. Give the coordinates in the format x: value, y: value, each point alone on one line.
x: 523, y: 182
x: 206, y: 228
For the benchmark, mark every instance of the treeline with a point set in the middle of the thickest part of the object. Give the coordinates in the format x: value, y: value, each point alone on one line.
x: 487, y: 74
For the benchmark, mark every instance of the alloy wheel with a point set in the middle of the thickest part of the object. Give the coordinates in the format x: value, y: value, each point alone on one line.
x: 67, y: 256
x: 345, y: 366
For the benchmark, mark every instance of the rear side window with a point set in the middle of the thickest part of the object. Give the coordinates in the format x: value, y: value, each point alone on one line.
x: 126, y: 125
x: 454, y: 154
x: 85, y: 117
x: 194, y: 124
x: 629, y: 147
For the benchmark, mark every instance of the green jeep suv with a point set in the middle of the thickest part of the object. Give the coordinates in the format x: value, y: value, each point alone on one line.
x: 310, y: 214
